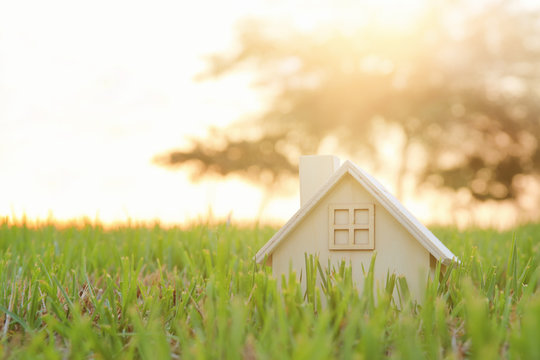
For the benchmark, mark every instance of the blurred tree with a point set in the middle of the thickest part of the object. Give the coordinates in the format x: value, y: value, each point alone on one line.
x: 461, y: 84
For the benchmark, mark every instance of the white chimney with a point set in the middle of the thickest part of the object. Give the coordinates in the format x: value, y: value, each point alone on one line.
x: 315, y: 170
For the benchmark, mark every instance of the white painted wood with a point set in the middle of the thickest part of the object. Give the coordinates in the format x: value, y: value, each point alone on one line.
x: 397, y: 250
x: 315, y: 170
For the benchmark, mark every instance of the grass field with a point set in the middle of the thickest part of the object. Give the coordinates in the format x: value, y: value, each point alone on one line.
x: 154, y: 293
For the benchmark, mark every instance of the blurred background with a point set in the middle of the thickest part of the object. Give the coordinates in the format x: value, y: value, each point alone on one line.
x: 184, y: 111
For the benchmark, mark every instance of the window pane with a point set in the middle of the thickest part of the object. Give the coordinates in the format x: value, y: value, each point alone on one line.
x: 341, y: 237
x: 361, y: 236
x: 361, y: 216
x: 341, y: 217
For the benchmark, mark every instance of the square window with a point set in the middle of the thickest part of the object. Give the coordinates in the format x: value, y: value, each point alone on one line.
x: 361, y: 216
x: 351, y: 226
x: 341, y: 217
x: 361, y: 236
x: 341, y: 237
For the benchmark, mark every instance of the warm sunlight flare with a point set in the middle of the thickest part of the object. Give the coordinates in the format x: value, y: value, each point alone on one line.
x: 92, y: 93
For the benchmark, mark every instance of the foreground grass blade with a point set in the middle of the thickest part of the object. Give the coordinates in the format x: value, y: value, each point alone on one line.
x: 196, y: 293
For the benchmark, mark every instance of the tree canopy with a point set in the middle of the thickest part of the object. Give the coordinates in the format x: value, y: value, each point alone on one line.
x: 461, y: 84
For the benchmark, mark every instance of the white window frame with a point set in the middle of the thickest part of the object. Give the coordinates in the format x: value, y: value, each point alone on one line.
x: 351, y: 226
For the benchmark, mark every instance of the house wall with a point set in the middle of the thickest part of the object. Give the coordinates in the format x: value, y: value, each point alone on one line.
x: 397, y: 251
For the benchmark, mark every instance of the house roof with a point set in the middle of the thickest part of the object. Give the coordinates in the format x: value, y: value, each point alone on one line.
x: 387, y: 200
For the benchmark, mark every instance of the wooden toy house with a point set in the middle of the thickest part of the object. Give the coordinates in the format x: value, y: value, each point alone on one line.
x: 345, y: 214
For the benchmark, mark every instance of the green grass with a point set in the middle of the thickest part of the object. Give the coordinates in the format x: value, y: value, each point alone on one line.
x: 151, y: 293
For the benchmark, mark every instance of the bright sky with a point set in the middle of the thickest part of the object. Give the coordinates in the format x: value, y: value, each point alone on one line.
x: 91, y: 91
